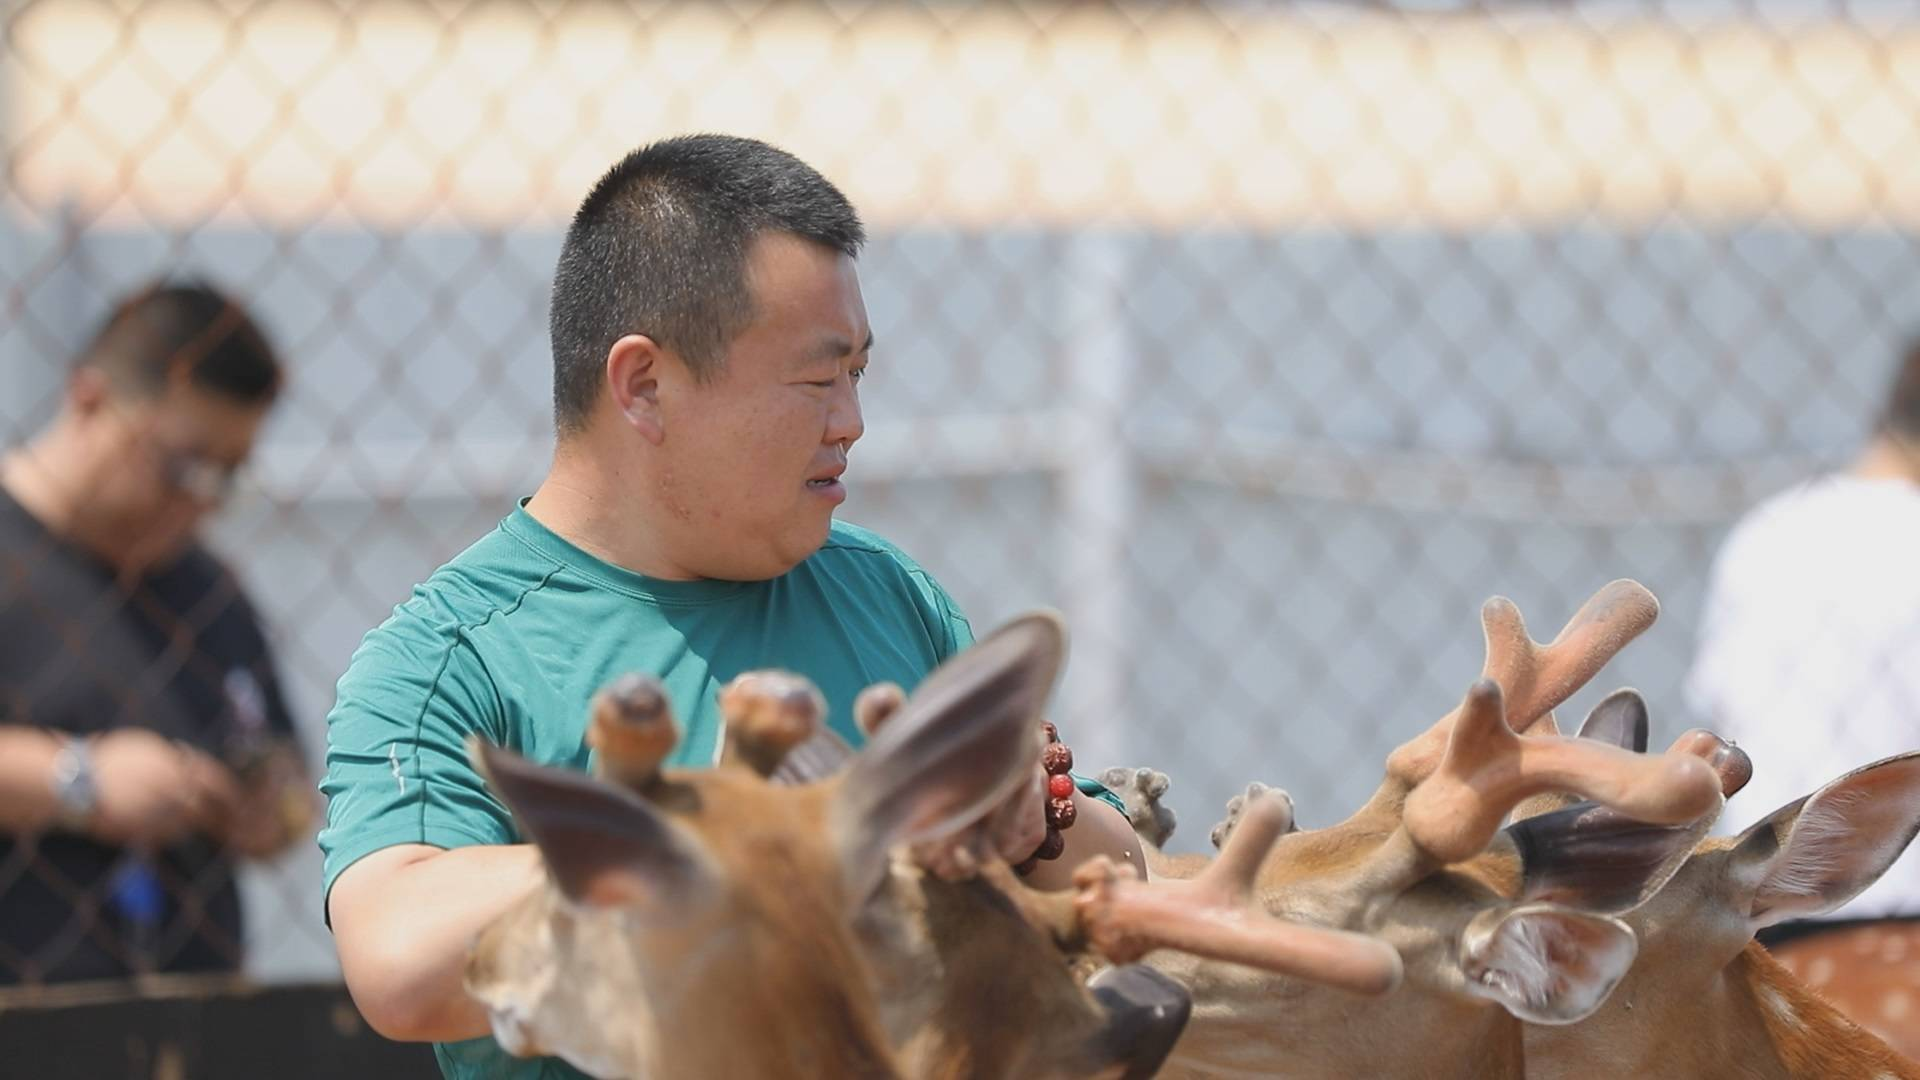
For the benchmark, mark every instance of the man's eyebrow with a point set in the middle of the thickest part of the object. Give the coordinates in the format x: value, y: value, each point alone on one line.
x: 833, y: 348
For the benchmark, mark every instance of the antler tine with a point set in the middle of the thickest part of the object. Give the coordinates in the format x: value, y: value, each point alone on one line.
x: 767, y: 714
x: 631, y: 725
x: 1488, y: 770
x: 1537, y: 678
x: 1730, y: 763
x: 1263, y: 820
x: 1216, y: 916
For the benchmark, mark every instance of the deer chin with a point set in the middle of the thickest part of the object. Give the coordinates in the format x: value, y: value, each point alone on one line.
x: 558, y: 1028
x: 513, y: 1030
x: 532, y: 1017
x: 527, y: 978
x: 606, y: 1068
x: 516, y: 979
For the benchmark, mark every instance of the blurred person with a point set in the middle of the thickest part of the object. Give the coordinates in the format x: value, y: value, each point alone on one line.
x: 1809, y: 648
x: 708, y: 338
x: 144, y: 742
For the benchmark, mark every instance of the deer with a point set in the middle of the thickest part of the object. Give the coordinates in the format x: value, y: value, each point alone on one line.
x: 716, y: 923
x: 1705, y: 999
x: 1702, y: 999
x: 1496, y: 928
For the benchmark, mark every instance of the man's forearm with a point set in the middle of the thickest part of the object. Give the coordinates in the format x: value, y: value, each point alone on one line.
x: 1098, y: 829
x: 26, y: 778
x: 403, y: 920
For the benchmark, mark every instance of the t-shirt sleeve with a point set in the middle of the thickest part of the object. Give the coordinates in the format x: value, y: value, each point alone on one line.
x: 397, y: 770
x: 950, y: 629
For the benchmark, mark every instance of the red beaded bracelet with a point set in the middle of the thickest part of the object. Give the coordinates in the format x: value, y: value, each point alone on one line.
x: 1057, y: 759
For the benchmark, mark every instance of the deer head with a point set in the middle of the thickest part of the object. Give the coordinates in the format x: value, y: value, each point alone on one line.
x: 713, y: 923
x: 1704, y: 999
x: 1487, y: 936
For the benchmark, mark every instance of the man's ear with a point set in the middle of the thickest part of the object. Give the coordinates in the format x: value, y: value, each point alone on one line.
x: 633, y: 383
x: 87, y: 390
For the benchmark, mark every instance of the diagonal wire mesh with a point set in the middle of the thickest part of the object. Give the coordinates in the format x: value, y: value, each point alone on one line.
x: 1266, y: 340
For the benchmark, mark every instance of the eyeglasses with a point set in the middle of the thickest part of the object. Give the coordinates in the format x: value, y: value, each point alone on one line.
x: 190, y: 472
x: 197, y: 476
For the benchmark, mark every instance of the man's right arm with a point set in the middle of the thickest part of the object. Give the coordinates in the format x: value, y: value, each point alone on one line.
x: 420, y: 856
x: 27, y: 757
x: 403, y: 919
x: 149, y: 790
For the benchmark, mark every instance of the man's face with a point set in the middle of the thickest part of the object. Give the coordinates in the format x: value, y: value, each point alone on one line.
x: 753, y: 458
x: 158, y: 466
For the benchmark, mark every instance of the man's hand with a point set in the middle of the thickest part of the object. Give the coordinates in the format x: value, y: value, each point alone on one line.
x: 153, y: 791
x: 1011, y: 831
x: 1020, y: 824
x: 275, y: 807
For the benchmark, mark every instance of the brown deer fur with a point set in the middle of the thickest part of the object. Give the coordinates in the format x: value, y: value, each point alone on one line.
x: 708, y: 924
x: 1431, y: 892
x: 1704, y: 1000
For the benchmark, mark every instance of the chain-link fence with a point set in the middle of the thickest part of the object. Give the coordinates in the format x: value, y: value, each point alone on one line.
x: 1265, y: 340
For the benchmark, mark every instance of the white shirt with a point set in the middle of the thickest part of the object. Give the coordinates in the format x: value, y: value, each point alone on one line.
x: 1809, y: 651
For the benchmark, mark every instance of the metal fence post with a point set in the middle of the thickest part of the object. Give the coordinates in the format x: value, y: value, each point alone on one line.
x: 1098, y: 497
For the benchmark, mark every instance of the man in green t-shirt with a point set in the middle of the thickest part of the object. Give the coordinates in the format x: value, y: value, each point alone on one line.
x: 708, y: 340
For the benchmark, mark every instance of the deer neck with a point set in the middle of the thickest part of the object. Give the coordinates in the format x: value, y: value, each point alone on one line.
x: 1752, y: 1021
x: 969, y: 986
x: 1802, y: 1035
x: 1243, y: 1027
x: 776, y: 1023
x: 775, y: 987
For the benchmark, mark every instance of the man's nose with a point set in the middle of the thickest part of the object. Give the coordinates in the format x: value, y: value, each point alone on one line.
x: 845, y: 425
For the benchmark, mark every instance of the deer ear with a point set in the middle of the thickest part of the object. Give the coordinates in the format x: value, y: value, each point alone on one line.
x: 1544, y: 963
x: 1146, y: 1012
x: 1620, y: 720
x: 1816, y: 853
x: 603, y: 845
x: 1591, y: 858
x: 968, y: 735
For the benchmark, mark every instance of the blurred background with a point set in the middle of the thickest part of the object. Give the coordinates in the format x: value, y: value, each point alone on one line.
x: 1265, y: 340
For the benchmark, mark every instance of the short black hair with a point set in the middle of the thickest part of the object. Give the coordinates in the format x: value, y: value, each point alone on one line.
x: 659, y: 247
x: 1902, y: 413
x: 169, y: 326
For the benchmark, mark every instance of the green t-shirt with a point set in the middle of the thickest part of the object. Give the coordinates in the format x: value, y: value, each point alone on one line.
x: 512, y: 638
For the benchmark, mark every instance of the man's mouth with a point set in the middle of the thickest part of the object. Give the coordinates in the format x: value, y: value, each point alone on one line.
x: 829, y: 486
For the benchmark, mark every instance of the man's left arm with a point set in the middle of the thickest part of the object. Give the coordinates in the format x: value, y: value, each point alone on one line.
x: 1098, y: 829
